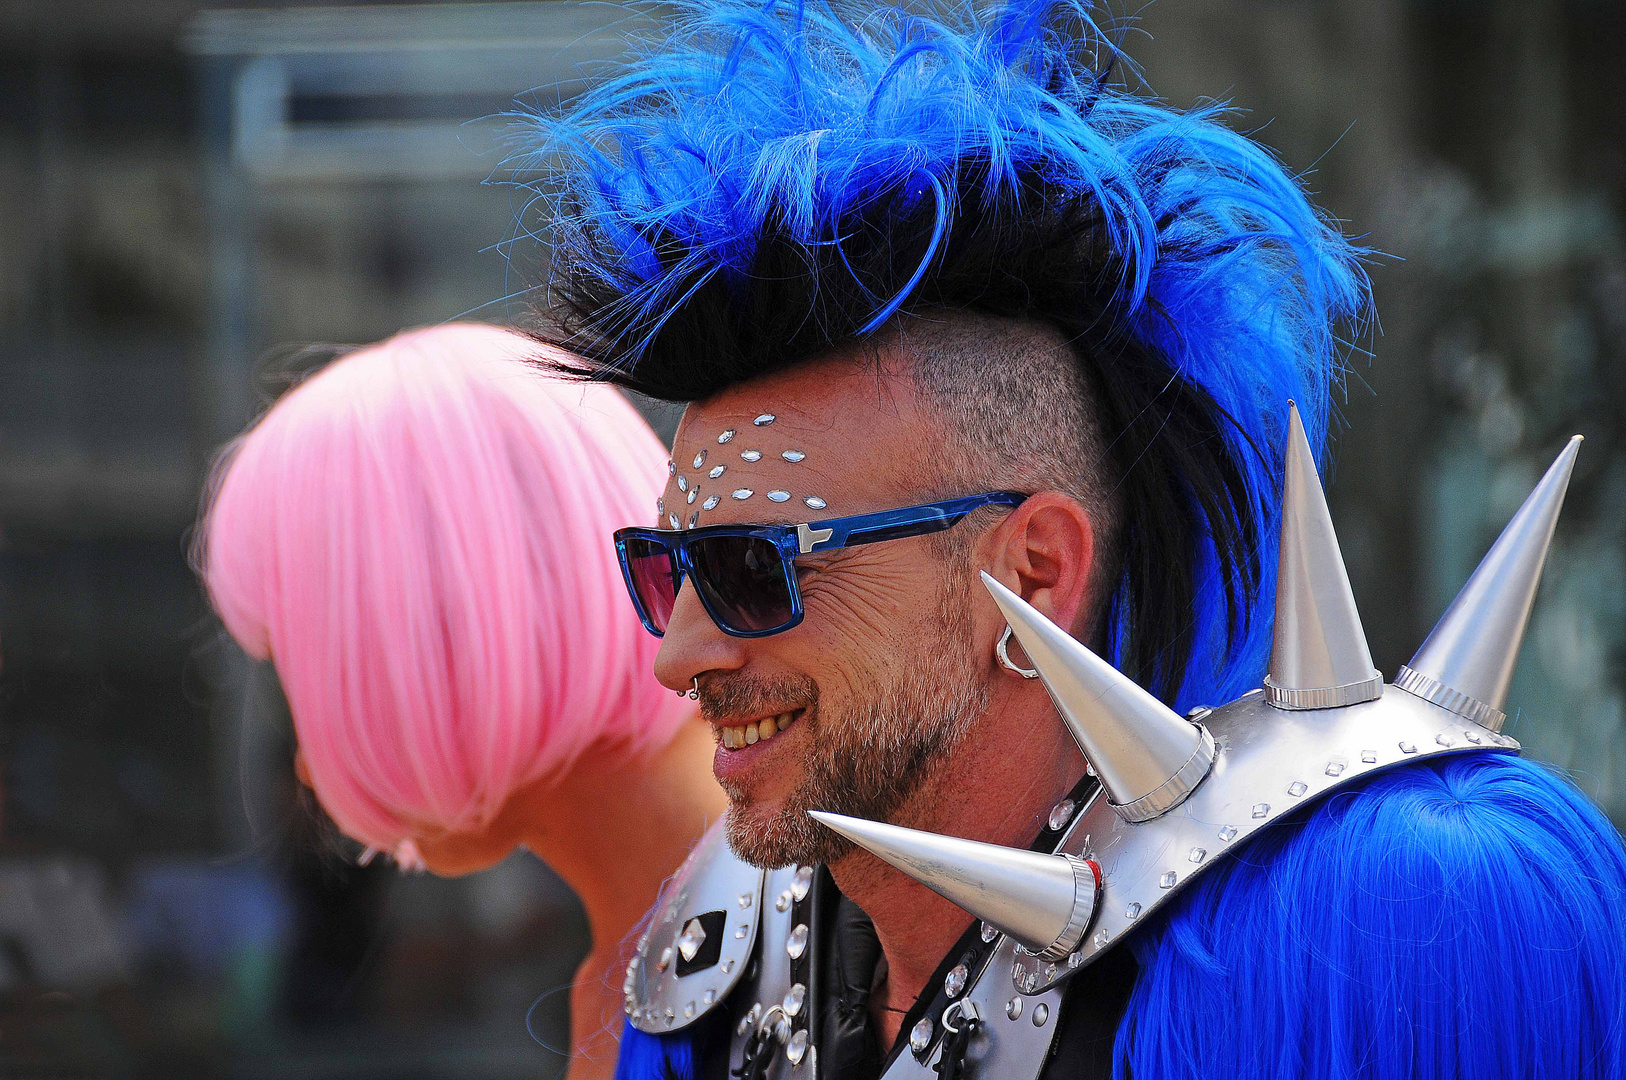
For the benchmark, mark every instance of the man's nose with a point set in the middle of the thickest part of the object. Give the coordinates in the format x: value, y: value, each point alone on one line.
x: 693, y: 645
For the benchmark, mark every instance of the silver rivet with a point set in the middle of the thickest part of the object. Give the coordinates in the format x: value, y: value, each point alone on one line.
x: 1227, y: 833
x: 1408, y: 747
x: 743, y: 1026
x: 989, y: 933
x: 755, y: 1014
x: 1260, y: 809
x: 1167, y: 880
x: 920, y: 1036
x: 1444, y: 740
x: 741, y: 930
x: 716, y: 471
x: 1197, y: 854
x: 1471, y: 736
x: 801, y: 883
x: 1061, y: 814
x: 792, y: 456
x: 700, y: 459
x: 750, y: 455
x: 1370, y: 757
x: 796, y: 1048
x: 711, y: 502
x: 743, y: 493
x: 725, y: 436
x: 745, y: 900
x: 814, y: 502
x: 1197, y: 712
x: 764, y: 420
x: 794, y: 999
x: 954, y: 981
x: 1132, y: 912
x: 783, y: 903
x: 778, y: 496
x: 1335, y: 768
x: 1297, y: 788
x: 1041, y: 1013
x: 672, y: 520
x: 683, y: 483
x: 1013, y: 1008
x: 796, y: 945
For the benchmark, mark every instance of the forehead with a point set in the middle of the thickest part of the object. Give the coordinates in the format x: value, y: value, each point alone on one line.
x: 828, y: 438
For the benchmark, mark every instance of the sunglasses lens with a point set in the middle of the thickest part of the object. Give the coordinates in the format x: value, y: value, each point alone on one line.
x: 654, y: 579
x: 743, y: 579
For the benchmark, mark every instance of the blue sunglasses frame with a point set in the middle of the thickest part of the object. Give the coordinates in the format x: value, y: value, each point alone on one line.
x: 791, y: 541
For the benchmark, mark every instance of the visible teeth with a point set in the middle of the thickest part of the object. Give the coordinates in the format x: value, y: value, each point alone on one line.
x: 743, y: 735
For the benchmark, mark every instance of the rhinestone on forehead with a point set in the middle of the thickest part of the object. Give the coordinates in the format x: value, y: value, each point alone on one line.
x: 660, y: 507
x: 750, y: 455
x: 792, y: 456
x: 711, y: 502
x: 743, y: 493
x: 814, y: 502
x: 694, y: 519
x: 700, y: 459
x: 683, y: 483
x: 671, y: 468
x: 778, y: 496
x: 672, y: 520
x: 716, y: 471
x: 765, y: 419
x: 725, y: 436
x: 692, y: 493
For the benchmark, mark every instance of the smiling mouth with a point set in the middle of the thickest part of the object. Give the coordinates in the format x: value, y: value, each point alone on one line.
x: 739, y: 736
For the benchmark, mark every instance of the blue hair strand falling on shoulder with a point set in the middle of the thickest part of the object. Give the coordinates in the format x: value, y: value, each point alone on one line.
x: 775, y: 180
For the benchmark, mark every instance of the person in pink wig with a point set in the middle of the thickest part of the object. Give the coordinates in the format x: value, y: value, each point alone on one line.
x: 418, y: 539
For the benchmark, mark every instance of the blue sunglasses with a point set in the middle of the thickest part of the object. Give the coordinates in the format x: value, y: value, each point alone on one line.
x: 745, y: 575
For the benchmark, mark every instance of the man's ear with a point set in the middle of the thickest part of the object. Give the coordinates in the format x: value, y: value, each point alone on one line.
x: 1045, y: 553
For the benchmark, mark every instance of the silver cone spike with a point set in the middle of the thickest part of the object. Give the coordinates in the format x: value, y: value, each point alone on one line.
x: 1318, y: 658
x: 1148, y: 757
x: 1045, y: 902
x: 1467, y: 661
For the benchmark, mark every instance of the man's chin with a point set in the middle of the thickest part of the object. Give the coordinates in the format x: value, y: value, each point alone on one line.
x: 773, y: 837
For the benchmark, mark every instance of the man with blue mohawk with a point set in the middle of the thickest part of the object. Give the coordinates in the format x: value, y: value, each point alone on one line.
x: 943, y: 301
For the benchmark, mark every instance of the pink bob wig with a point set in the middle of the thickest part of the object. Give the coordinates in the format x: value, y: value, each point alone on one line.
x: 418, y: 538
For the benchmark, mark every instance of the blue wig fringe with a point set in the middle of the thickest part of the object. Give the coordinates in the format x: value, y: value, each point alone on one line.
x: 655, y: 1057
x: 857, y: 146
x: 1455, y: 919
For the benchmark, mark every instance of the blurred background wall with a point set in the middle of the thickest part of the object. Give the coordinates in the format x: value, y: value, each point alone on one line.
x: 189, y: 198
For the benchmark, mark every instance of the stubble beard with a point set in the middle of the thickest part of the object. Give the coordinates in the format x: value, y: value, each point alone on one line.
x: 869, y: 760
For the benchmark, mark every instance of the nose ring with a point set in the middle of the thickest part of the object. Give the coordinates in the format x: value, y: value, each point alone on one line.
x: 694, y: 695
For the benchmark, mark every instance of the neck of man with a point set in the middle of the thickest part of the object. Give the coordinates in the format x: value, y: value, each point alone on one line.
x: 645, y: 815
x: 997, y: 786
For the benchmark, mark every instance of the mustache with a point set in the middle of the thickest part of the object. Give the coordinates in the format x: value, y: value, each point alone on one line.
x: 744, y: 695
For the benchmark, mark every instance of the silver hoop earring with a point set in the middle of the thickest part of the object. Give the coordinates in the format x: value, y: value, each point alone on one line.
x: 1002, y: 654
x: 694, y: 694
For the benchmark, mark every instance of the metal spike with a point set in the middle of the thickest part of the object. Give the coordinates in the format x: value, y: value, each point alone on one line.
x: 1045, y: 902
x: 1467, y: 661
x: 1319, y: 658
x: 1147, y: 757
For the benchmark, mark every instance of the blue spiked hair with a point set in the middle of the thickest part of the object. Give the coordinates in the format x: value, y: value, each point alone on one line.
x: 780, y: 179
x: 1451, y: 919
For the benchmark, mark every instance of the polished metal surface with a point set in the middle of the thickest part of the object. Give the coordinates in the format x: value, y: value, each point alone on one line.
x: 1473, y: 648
x: 1007, y: 1044
x: 1147, y: 756
x: 1270, y: 762
x: 711, y: 879
x: 1042, y: 901
x: 1319, y: 658
x: 1415, y: 682
x: 767, y: 994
